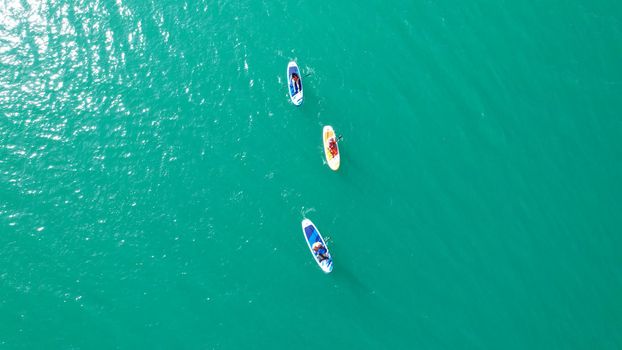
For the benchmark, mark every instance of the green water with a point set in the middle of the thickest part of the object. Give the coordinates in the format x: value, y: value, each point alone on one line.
x: 153, y: 175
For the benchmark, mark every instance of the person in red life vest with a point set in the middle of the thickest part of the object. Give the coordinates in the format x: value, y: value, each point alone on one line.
x: 296, y: 83
x: 332, y: 147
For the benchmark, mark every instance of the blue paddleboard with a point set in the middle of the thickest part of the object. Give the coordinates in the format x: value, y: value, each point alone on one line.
x: 312, y: 235
x: 294, y: 86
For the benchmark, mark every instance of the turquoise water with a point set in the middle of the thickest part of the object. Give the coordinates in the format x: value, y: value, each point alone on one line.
x: 153, y: 175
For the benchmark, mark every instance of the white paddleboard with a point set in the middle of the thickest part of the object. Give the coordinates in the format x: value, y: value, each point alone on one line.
x: 332, y: 156
x: 294, y: 86
x: 312, y: 235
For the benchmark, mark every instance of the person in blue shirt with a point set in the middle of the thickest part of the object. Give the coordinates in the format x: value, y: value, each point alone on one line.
x: 320, y: 251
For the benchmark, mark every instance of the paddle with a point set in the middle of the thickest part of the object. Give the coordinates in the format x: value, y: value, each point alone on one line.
x: 306, y: 75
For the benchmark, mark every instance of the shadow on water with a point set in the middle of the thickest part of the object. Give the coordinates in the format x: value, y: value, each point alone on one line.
x: 313, y: 104
x: 351, y: 281
x: 369, y: 305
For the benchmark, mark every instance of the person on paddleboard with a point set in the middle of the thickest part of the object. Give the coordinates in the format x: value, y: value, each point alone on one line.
x: 296, y: 82
x: 332, y: 147
x: 320, y: 251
